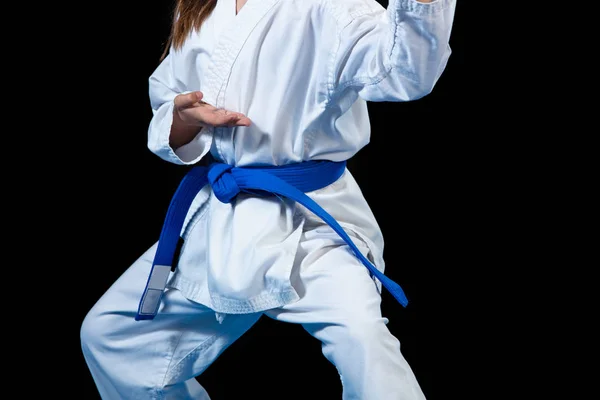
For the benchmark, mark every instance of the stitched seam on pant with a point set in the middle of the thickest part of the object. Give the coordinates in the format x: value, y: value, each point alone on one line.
x: 163, y: 383
x: 171, y: 371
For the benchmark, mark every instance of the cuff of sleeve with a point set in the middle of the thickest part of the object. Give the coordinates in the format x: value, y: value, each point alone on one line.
x: 193, y: 151
x: 158, y: 139
x: 419, y: 8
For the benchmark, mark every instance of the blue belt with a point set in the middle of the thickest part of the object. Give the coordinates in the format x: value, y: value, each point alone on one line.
x: 290, y: 181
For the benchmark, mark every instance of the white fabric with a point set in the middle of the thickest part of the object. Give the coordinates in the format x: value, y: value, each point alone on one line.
x: 302, y: 71
x: 158, y: 359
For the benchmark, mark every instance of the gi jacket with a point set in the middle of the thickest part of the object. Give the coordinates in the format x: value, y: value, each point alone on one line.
x: 302, y: 71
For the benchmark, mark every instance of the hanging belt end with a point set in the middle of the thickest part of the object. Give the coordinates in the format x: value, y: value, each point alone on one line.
x: 155, y: 287
x: 398, y: 294
x: 401, y: 297
x: 143, y: 317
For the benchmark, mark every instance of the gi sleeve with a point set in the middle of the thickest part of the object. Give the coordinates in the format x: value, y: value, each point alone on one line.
x: 393, y: 54
x: 163, y: 87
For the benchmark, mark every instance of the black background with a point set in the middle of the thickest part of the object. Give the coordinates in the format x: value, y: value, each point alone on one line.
x: 114, y: 193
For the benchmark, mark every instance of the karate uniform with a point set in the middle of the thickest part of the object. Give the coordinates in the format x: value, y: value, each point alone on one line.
x: 302, y: 71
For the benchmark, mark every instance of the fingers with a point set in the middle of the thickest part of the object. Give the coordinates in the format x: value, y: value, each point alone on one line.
x: 192, y: 110
x: 243, y: 121
x: 187, y: 100
x: 238, y: 120
x: 223, y: 117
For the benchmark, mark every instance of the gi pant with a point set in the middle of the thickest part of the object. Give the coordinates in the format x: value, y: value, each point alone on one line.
x: 160, y: 358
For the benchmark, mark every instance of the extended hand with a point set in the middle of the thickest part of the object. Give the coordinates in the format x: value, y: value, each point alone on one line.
x: 193, y: 111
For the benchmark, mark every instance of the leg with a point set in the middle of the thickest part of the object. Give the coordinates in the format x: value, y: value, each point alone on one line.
x: 340, y: 306
x: 153, y: 359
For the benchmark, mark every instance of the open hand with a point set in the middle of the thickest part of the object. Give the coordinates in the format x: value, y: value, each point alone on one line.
x: 193, y: 111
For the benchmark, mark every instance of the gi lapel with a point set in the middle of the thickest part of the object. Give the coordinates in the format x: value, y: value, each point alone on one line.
x: 230, y: 42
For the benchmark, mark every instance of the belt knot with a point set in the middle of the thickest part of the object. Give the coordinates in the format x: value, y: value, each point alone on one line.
x: 222, y: 182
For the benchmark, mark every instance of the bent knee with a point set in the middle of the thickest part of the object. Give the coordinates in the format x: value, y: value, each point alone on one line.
x: 93, y: 329
x: 358, y: 335
x: 366, y: 329
x: 100, y: 327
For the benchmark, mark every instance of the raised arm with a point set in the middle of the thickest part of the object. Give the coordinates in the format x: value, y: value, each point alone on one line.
x: 393, y: 54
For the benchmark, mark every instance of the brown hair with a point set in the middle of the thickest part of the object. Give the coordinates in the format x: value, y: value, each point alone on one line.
x: 188, y: 15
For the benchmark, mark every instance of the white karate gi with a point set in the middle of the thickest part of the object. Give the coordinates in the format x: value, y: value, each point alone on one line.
x: 302, y: 71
